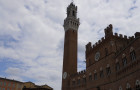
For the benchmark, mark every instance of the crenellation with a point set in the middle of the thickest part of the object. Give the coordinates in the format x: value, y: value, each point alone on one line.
x: 88, y: 47
x: 116, y: 34
x: 84, y: 71
x: 93, y: 46
x: 99, y: 41
x: 103, y: 39
x: 131, y: 38
x: 108, y: 31
x: 137, y: 34
x: 125, y: 37
x: 120, y: 35
x: 79, y: 73
x: 96, y: 43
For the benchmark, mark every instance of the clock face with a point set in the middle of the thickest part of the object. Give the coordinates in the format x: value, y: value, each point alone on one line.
x: 64, y: 75
x: 97, y: 56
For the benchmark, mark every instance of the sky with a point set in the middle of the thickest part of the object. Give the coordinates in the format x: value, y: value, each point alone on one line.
x: 32, y: 34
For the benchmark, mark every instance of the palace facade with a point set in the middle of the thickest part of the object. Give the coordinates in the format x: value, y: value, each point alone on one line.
x: 112, y: 63
x: 9, y: 84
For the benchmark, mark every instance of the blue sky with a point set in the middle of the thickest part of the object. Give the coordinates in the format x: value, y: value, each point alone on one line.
x: 32, y: 34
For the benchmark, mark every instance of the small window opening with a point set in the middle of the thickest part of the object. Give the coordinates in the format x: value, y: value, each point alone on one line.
x: 78, y: 81
x: 106, y: 52
x: 133, y: 55
x: 95, y: 76
x: 73, y: 83
x: 117, y: 66
x: 108, y: 70
x: 74, y: 13
x: 84, y: 80
x: 90, y: 77
x: 101, y: 74
x: 124, y: 60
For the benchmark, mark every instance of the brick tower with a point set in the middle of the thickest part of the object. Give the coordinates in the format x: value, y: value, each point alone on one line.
x: 71, y: 24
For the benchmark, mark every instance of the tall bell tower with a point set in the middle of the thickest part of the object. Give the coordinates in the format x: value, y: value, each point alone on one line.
x: 71, y: 24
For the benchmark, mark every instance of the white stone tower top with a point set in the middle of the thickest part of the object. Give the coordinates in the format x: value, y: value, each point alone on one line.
x: 71, y: 22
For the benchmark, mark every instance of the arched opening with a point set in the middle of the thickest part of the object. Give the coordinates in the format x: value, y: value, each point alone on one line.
x: 133, y: 55
x: 124, y: 61
x: 117, y: 66
x: 106, y: 52
x: 78, y: 81
x: 90, y: 77
x: 120, y: 88
x: 84, y: 80
x: 73, y: 13
x: 128, y: 87
x: 137, y: 85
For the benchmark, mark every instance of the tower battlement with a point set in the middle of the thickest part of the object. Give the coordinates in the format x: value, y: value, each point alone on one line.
x: 71, y: 22
x: 109, y: 34
x: 88, y: 47
x: 108, y: 31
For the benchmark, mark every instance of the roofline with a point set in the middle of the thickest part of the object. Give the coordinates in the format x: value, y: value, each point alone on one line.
x: 10, y: 80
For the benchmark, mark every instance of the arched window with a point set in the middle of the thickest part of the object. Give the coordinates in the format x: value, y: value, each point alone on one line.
x: 84, y: 80
x: 73, y: 13
x: 137, y: 85
x: 95, y: 76
x: 120, y: 88
x: 101, y: 74
x: 108, y: 69
x: 106, y: 52
x: 89, y: 62
x: 98, y: 88
x: 117, y: 66
x: 78, y: 81
x: 90, y: 77
x: 133, y: 55
x: 24, y: 87
x: 68, y: 13
x: 128, y: 87
x: 124, y: 61
x: 73, y: 82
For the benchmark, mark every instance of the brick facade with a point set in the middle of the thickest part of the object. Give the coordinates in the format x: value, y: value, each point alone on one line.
x: 117, y: 66
x: 113, y: 63
x: 8, y: 84
x: 32, y: 86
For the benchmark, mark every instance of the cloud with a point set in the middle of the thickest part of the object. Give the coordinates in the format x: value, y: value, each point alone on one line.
x: 32, y: 34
